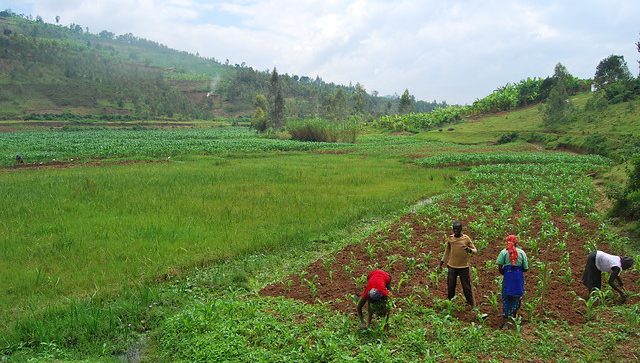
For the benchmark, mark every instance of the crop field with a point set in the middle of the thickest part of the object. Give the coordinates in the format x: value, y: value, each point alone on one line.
x: 549, y: 206
x: 251, y: 249
x: 63, y: 146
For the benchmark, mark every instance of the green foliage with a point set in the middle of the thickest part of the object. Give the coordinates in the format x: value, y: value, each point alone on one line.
x: 260, y: 120
x: 596, y: 144
x: 627, y: 201
x: 323, y: 131
x: 509, y: 158
x: 87, y: 144
x: 276, y: 115
x: 130, y: 224
x: 421, y: 121
x: 507, y: 138
x: 406, y: 103
x: 64, y: 68
x: 611, y: 70
x: 622, y: 90
x: 558, y: 109
x: 597, y: 102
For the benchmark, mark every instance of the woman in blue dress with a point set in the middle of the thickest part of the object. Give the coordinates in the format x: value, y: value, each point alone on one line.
x: 512, y: 263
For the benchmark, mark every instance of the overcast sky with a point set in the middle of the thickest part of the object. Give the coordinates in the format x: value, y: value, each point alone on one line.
x: 456, y: 51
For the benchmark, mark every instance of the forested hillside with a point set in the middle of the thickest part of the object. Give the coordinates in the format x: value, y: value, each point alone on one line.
x: 55, y: 71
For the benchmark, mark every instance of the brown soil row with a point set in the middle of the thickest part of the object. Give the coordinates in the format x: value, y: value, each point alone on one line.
x: 73, y: 164
x: 337, y: 285
x: 12, y: 126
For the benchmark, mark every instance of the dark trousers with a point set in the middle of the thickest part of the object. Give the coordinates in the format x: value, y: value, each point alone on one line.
x: 592, y: 277
x: 465, y: 280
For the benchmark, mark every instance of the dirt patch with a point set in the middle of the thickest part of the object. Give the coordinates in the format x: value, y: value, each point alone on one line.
x: 73, y: 164
x: 13, y: 126
x: 332, y: 152
x: 410, y: 251
x: 4, y: 128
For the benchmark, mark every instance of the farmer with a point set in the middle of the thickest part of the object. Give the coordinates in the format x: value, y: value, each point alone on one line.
x: 456, y: 256
x: 19, y: 159
x: 375, y: 293
x: 512, y: 263
x: 599, y: 262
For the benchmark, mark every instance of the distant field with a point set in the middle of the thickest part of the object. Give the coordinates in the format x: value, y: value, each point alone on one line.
x: 83, y: 231
x: 96, y: 143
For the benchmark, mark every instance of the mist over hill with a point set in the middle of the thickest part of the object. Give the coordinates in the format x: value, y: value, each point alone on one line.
x: 52, y: 71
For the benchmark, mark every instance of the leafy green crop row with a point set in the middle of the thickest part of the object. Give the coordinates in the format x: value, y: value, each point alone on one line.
x: 45, y: 146
x: 420, y: 121
x: 509, y: 158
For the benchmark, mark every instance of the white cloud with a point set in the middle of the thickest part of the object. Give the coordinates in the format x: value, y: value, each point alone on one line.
x: 456, y: 50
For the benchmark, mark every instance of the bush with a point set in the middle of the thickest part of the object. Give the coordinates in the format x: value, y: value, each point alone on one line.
x: 320, y: 130
x: 596, y: 144
x: 597, y: 102
x: 507, y: 138
x: 627, y: 202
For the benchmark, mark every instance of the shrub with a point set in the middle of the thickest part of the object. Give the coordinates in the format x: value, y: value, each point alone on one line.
x: 597, y: 102
x: 596, y: 144
x: 507, y: 138
x: 320, y: 130
x: 627, y: 203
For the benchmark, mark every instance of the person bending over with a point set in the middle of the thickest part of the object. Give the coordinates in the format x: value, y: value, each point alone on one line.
x: 376, y: 295
x: 599, y: 262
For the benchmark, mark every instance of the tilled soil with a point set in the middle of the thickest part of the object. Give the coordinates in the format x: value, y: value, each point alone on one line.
x: 340, y: 279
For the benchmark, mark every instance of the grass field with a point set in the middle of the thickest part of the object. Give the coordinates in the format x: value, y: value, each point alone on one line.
x: 91, y: 230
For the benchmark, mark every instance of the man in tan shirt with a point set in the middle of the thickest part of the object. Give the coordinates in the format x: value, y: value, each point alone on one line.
x: 456, y: 256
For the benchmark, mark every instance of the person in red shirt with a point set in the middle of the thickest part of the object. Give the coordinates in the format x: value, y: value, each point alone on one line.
x: 375, y: 293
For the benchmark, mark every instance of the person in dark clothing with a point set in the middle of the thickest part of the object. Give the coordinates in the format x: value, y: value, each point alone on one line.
x: 456, y: 255
x: 599, y: 262
x: 376, y: 295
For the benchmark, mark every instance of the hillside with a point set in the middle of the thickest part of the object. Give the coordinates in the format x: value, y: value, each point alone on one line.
x: 52, y: 69
x: 613, y: 131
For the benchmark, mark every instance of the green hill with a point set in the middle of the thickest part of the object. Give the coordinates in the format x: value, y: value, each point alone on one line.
x: 51, y: 69
x: 613, y: 131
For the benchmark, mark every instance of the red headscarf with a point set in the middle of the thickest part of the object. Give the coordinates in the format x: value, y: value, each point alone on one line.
x: 512, y: 241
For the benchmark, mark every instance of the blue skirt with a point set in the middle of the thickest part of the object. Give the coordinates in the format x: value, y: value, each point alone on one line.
x: 512, y: 289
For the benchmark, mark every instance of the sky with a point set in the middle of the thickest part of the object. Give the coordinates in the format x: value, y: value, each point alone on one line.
x: 455, y: 51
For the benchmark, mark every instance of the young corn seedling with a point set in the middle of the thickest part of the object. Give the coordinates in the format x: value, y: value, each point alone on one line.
x: 475, y: 279
x: 404, y: 277
x: 434, y: 277
x: 567, y: 278
x: 371, y: 251
x: 392, y: 260
x: 589, y: 306
x: 493, y: 300
x: 406, y: 231
x: 360, y: 280
x: 489, y: 264
x: 411, y: 264
x: 327, y: 263
x: 313, y: 288
x: 426, y: 259
x: 517, y: 323
x: 530, y: 307
x: 544, y: 280
x: 348, y: 269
